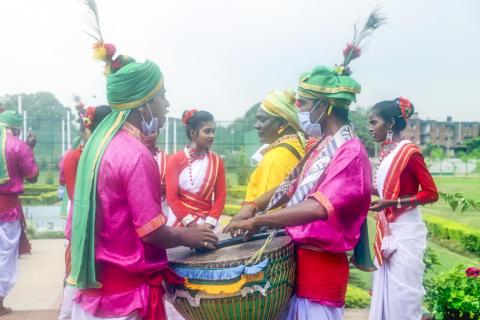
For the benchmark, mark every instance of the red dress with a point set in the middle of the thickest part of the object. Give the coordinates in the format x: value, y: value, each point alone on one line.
x: 208, y: 202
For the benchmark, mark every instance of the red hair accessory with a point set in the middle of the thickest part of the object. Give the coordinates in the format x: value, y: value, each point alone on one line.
x: 187, y: 115
x: 89, y: 117
x: 405, y: 106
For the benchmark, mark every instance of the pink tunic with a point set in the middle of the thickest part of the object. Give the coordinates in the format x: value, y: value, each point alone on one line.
x: 128, y: 208
x: 21, y: 165
x: 344, y: 191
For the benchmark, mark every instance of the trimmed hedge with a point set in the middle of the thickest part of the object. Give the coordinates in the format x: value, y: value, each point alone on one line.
x: 237, y: 192
x: 41, y: 199
x: 37, y: 189
x: 231, y: 209
x: 445, y: 229
x: 356, y: 297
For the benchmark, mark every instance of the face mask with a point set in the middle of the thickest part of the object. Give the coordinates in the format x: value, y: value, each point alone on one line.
x: 312, y: 129
x: 151, y: 127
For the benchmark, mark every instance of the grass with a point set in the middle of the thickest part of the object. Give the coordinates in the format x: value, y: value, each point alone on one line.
x: 469, y: 187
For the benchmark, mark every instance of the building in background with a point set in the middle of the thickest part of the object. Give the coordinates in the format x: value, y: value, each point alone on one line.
x: 449, y: 135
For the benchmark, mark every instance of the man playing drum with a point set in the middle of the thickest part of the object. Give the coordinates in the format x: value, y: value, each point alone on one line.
x: 327, y: 195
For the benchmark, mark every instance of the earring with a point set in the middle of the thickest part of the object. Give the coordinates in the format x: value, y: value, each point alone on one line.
x: 281, y: 130
x: 389, y: 138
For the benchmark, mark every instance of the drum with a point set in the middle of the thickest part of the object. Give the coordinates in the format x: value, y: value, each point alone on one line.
x: 221, y: 285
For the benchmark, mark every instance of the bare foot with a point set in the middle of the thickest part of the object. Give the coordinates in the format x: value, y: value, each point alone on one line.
x: 4, y: 311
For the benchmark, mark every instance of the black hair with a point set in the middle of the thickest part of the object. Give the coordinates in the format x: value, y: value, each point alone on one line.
x: 389, y: 110
x: 341, y: 113
x: 100, y: 113
x: 197, y: 120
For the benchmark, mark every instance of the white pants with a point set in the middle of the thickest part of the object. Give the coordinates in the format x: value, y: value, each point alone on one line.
x: 304, y: 309
x: 9, y: 241
x: 398, y: 283
x: 79, y: 314
x: 67, y: 303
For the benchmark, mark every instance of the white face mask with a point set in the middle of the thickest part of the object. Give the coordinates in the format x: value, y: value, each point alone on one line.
x: 152, y: 126
x: 312, y: 129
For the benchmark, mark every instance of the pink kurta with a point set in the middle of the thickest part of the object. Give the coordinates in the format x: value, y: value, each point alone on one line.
x: 21, y: 165
x: 128, y: 208
x: 344, y: 190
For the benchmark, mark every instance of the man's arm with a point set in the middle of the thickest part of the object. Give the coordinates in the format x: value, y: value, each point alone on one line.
x: 169, y: 237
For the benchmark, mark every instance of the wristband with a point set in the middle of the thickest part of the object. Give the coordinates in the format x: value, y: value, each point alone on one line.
x: 399, y: 205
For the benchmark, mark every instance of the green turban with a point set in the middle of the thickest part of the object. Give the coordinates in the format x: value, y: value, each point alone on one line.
x: 329, y: 84
x: 10, y: 118
x: 133, y: 85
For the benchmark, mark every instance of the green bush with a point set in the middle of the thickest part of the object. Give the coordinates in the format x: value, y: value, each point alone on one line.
x: 454, y: 295
x: 237, y: 192
x: 231, y: 209
x: 37, y: 189
x: 356, y: 297
x: 47, y: 198
x: 49, y: 235
x: 445, y: 229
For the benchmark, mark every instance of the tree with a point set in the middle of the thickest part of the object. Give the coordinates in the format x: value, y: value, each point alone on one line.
x: 438, y: 154
x: 242, y: 168
x: 359, y: 119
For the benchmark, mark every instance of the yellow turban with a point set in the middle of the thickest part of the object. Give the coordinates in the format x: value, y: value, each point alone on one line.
x: 282, y: 104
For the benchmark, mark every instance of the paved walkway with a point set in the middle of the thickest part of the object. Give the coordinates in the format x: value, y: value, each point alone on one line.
x: 38, y: 292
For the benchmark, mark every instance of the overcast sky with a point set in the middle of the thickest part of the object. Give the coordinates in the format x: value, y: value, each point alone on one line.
x: 224, y: 55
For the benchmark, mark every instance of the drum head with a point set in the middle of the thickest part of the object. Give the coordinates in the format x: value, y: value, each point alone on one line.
x: 229, y: 255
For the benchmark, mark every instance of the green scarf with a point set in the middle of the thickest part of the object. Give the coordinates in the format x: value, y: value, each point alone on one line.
x: 130, y: 87
x: 12, y: 119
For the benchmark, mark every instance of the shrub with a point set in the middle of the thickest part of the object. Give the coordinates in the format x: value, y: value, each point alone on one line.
x: 455, y: 294
x: 231, y: 209
x: 237, y: 192
x: 356, y: 297
x: 41, y: 199
x: 36, y: 189
x: 444, y: 229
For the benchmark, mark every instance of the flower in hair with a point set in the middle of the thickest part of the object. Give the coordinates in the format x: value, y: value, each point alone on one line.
x: 88, y: 117
x: 187, y: 115
x: 405, y: 107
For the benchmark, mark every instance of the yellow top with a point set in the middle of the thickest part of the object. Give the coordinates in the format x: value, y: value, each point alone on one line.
x: 275, y: 166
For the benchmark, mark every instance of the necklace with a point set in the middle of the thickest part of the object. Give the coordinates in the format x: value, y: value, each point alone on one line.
x: 188, y: 153
x: 386, y: 149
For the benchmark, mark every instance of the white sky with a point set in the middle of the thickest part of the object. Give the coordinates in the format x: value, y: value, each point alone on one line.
x: 224, y: 55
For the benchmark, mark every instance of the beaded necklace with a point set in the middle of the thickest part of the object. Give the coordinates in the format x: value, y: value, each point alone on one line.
x: 386, y: 149
x: 188, y: 153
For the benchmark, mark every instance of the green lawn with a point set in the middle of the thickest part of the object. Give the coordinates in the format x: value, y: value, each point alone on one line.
x: 469, y: 187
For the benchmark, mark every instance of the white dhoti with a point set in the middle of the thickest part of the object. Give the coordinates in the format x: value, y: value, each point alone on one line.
x: 398, y: 284
x: 79, y: 314
x: 305, y: 309
x: 9, y: 241
x: 67, y: 303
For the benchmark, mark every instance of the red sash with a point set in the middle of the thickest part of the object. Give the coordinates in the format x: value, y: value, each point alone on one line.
x: 115, y: 279
x: 9, y: 202
x: 391, y: 191
x: 322, y: 276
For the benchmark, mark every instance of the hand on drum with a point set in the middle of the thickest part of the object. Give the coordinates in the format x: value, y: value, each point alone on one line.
x: 200, y: 236
x: 245, y: 227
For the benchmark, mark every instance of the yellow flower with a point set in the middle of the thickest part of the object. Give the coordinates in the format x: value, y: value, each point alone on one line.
x: 99, y: 52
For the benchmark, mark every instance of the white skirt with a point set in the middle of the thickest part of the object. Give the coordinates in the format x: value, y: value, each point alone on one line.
x: 398, y: 284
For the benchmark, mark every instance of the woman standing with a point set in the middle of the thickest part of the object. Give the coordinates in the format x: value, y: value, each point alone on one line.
x: 195, y: 176
x: 403, y: 182
x: 278, y: 126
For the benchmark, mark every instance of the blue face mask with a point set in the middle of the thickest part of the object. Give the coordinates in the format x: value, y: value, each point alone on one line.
x: 150, y: 127
x: 312, y: 129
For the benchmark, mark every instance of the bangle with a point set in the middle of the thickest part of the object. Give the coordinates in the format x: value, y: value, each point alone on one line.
x: 412, y: 201
x: 249, y: 202
x: 399, y: 205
